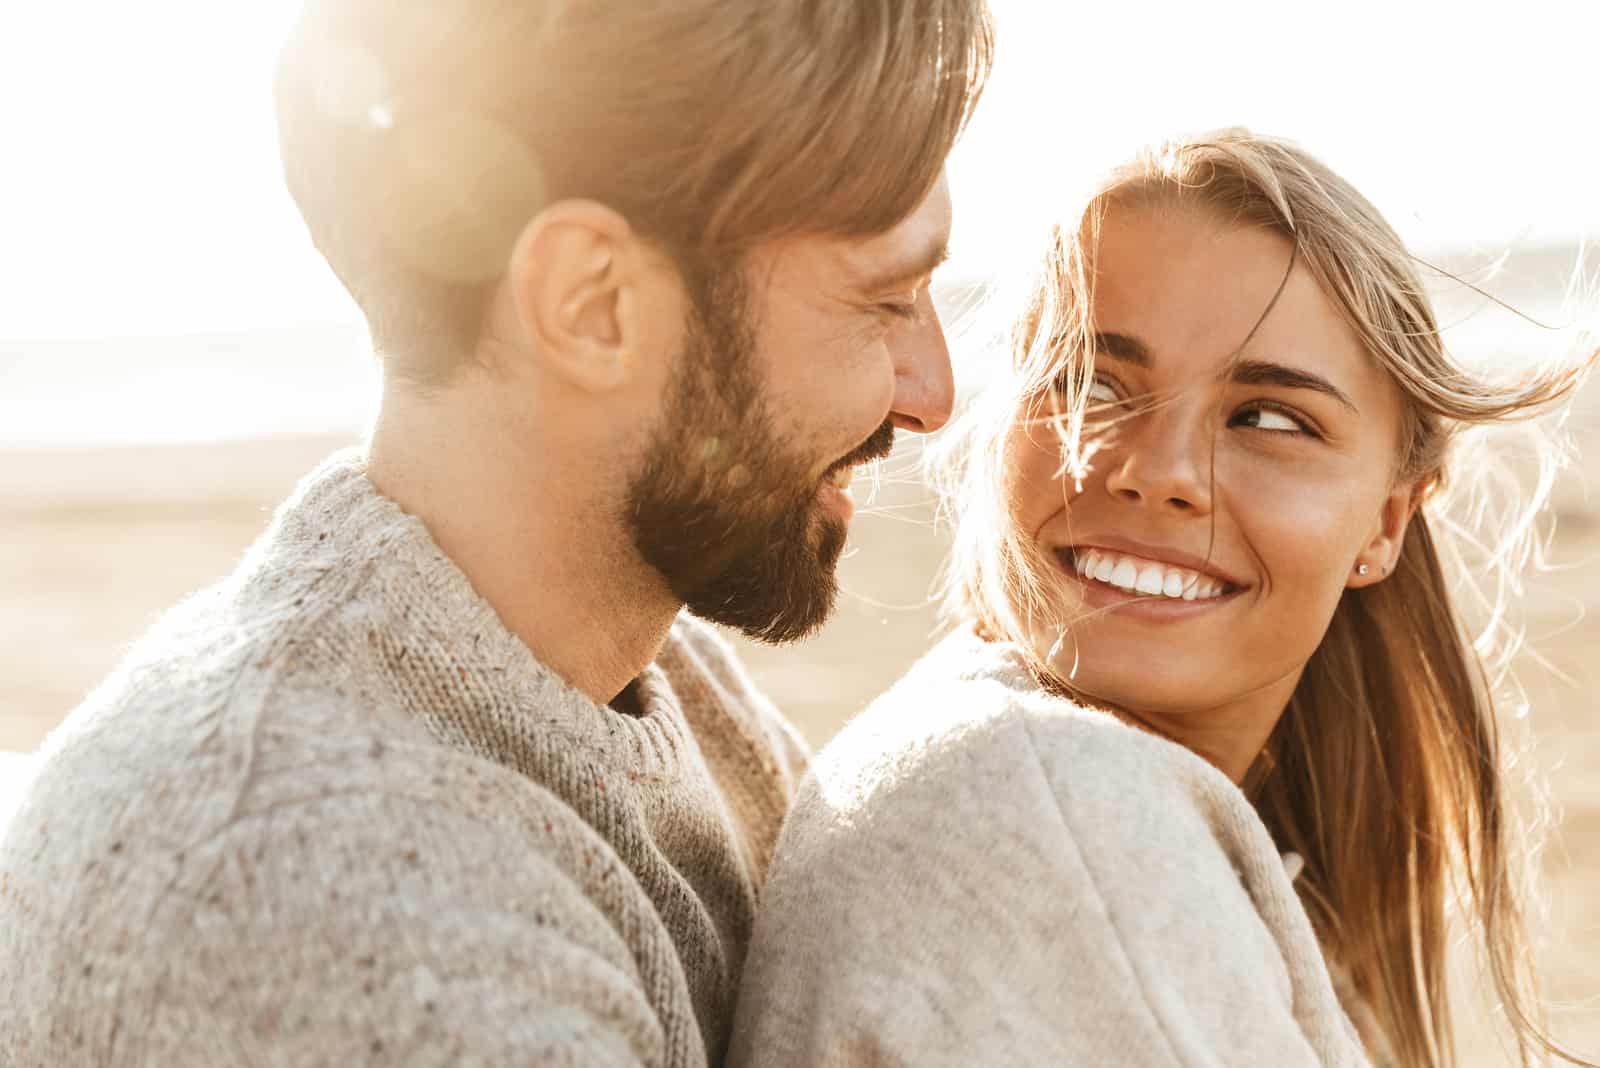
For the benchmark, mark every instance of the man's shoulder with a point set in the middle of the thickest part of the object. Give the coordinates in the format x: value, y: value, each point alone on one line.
x: 264, y: 691
x: 223, y: 654
x: 190, y: 737
x: 334, y: 886
x: 269, y: 778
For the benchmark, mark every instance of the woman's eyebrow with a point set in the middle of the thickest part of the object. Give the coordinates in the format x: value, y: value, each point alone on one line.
x: 1127, y: 349
x: 1122, y: 347
x: 1264, y: 373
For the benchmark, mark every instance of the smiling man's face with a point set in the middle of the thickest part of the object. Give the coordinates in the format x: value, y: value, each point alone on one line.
x: 793, y: 372
x: 1232, y: 499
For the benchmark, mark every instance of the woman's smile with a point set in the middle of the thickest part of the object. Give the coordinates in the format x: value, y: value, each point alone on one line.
x: 1150, y: 584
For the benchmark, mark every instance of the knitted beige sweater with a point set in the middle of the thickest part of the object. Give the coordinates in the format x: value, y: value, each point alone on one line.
x: 331, y: 812
x: 978, y: 873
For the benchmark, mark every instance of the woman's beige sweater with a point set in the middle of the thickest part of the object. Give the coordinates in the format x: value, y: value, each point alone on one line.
x: 331, y: 812
x: 979, y: 873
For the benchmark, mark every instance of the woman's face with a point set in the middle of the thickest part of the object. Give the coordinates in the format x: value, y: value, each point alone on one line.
x: 1233, y: 501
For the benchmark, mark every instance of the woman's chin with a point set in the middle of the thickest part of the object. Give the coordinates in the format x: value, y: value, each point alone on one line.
x: 1104, y: 668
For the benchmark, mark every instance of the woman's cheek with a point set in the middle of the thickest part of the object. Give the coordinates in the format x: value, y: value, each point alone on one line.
x: 1303, y: 529
x: 1031, y: 483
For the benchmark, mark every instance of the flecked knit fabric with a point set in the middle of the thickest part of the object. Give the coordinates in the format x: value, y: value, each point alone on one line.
x: 976, y: 872
x: 331, y: 812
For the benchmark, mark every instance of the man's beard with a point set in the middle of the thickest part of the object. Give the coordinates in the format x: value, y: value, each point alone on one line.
x: 721, y: 507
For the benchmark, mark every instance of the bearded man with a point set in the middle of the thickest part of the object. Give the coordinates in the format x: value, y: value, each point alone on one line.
x: 444, y: 772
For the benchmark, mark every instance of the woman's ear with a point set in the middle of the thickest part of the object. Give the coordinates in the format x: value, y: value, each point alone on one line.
x: 572, y: 282
x: 1381, y: 552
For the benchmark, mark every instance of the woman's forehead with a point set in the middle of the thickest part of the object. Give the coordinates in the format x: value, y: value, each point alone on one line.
x: 1192, y: 289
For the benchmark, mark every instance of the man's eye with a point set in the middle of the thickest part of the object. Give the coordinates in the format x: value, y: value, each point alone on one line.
x: 896, y: 309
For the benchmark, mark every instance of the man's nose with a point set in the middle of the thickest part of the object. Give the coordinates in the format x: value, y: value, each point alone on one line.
x: 924, y: 383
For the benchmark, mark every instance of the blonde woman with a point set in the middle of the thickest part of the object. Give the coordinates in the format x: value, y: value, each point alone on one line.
x: 1194, y: 780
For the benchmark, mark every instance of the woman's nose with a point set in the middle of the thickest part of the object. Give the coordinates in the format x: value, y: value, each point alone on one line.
x: 1163, y: 458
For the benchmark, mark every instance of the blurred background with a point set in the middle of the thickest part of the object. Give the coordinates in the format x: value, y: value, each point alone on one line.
x: 174, y: 355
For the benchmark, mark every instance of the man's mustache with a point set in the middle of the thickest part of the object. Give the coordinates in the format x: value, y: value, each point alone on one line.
x: 879, y: 445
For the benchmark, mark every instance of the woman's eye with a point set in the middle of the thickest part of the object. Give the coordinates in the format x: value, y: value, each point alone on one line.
x: 1103, y: 392
x: 1258, y: 417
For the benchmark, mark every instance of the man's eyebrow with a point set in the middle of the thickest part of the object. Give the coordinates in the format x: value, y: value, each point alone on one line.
x: 900, y: 275
x: 1127, y: 349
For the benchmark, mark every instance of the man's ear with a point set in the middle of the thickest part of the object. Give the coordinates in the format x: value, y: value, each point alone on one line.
x: 572, y: 281
x: 1381, y: 552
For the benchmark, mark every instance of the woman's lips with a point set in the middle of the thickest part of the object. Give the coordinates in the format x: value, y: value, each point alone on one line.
x: 1193, y: 593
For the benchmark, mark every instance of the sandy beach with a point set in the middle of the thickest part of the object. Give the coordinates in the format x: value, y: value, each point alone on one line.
x: 98, y: 542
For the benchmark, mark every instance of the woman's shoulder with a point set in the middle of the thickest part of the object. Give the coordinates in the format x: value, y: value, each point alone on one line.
x: 968, y: 760
x: 972, y: 710
x: 975, y: 863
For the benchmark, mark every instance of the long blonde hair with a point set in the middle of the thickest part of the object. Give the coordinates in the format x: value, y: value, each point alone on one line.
x: 1386, y: 772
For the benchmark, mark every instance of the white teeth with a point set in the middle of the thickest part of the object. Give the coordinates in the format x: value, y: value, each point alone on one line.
x: 1151, y: 579
x: 1145, y: 576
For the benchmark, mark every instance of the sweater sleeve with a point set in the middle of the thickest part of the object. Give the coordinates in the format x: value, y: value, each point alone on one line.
x: 1014, y: 891
x: 385, y: 929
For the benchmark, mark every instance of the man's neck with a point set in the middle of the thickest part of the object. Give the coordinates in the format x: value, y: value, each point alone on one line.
x: 533, y: 531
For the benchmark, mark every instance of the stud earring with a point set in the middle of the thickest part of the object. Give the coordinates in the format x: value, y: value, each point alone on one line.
x: 1363, y: 569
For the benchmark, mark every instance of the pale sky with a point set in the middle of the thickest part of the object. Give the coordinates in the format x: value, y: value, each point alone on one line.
x: 140, y: 192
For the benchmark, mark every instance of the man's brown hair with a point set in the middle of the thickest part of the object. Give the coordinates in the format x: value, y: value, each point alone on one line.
x: 419, y: 139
